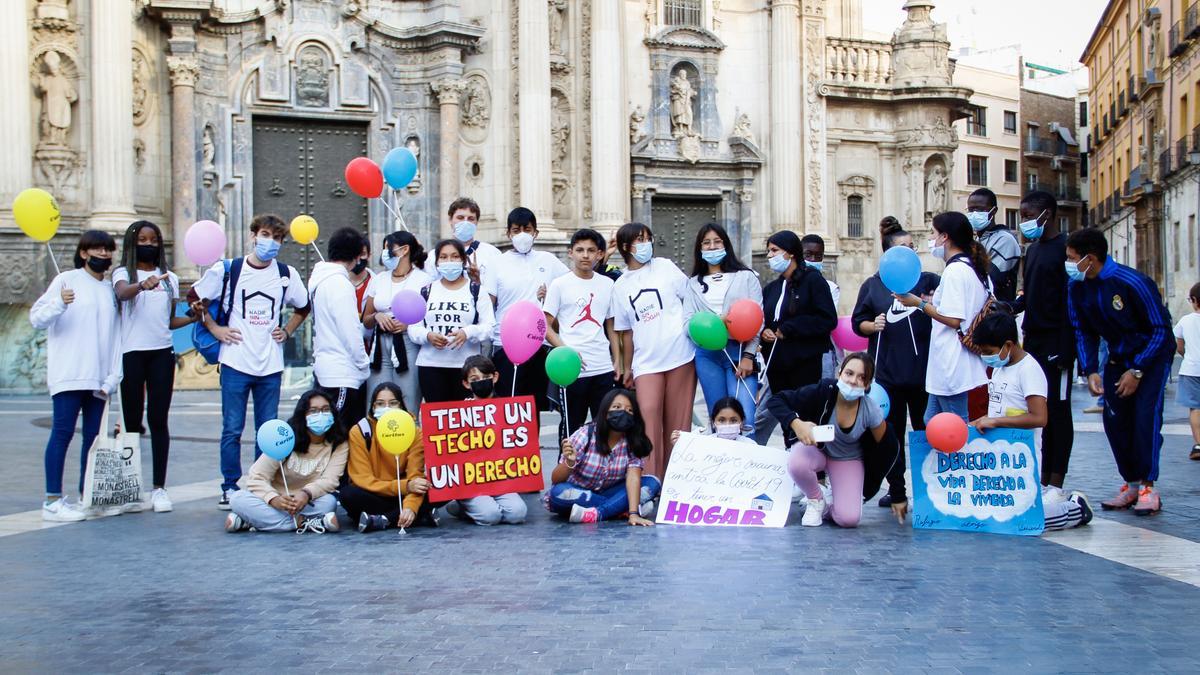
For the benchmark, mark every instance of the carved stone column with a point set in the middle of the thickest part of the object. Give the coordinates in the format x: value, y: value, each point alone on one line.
x: 814, y: 159
x: 112, y: 115
x: 184, y: 70
x: 16, y: 167
x: 448, y: 91
x: 533, y: 81
x: 785, y: 174
x: 610, y: 158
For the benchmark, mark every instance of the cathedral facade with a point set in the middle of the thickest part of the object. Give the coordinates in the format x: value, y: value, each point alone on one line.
x: 757, y: 114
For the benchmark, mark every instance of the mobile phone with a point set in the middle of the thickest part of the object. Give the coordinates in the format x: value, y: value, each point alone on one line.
x: 823, y: 433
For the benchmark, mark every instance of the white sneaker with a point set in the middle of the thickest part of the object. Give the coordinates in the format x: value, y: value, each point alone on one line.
x: 60, y: 511
x: 814, y: 513
x: 330, y: 522
x: 1052, y: 494
x: 648, y: 509
x: 133, y: 507
x: 160, y: 501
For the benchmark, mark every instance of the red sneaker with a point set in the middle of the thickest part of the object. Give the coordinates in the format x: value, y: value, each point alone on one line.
x: 1148, y: 502
x: 1126, y: 498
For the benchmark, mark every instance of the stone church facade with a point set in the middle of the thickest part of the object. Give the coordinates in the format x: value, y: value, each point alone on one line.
x: 758, y: 114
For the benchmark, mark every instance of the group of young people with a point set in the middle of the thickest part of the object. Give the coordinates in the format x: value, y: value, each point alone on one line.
x: 932, y: 350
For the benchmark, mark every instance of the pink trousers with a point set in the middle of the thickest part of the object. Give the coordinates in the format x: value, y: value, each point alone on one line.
x: 845, y: 478
x: 666, y: 400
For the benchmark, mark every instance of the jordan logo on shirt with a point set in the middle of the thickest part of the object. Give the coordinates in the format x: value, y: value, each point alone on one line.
x: 586, y: 314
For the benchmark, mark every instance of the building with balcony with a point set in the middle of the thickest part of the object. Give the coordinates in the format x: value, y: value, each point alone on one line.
x: 990, y: 138
x: 1050, y: 151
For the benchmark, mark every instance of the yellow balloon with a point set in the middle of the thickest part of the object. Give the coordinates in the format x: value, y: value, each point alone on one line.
x: 36, y: 214
x: 304, y: 229
x: 396, y: 431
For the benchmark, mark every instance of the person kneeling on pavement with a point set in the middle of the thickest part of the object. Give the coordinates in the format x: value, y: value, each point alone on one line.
x: 297, y: 493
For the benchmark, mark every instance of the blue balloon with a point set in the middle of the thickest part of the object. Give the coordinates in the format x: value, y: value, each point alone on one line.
x: 399, y: 167
x: 276, y: 440
x: 900, y: 269
x: 881, y: 398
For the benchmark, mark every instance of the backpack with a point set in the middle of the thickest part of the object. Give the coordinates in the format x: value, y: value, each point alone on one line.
x: 990, y: 305
x: 207, y: 344
x: 474, y: 298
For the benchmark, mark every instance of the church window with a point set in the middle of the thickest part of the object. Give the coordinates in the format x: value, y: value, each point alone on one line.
x: 854, y: 216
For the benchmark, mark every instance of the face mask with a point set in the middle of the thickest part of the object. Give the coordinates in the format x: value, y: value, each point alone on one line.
x: 620, y: 420
x: 389, y: 261
x: 643, y: 252
x: 727, y: 431
x: 936, y: 251
x: 713, y: 257
x: 1073, y: 271
x: 818, y: 266
x: 779, y: 263
x: 850, y: 393
x: 483, y: 388
x: 1031, y: 229
x: 382, y: 410
x: 979, y: 219
x: 266, y: 248
x: 523, y: 242
x: 359, y: 267
x: 99, y: 265
x: 995, y: 360
x: 147, y: 254
x: 450, y: 270
x: 464, y: 231
x: 319, y: 423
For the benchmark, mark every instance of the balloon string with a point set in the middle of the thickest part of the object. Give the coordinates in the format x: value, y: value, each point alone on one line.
x: 314, y: 245
x: 739, y: 377
x: 53, y: 261
x: 399, y: 218
x: 514, y: 387
x: 399, y: 494
x: 566, y: 414
x: 283, y: 475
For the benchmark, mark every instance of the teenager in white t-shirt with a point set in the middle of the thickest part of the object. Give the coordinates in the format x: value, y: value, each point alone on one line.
x: 1017, y: 400
x: 521, y: 274
x: 953, y: 370
x: 252, y: 344
x: 78, y: 311
x: 392, y: 352
x: 339, y: 355
x: 146, y: 304
x: 579, y: 315
x: 458, y: 318
x: 650, y: 313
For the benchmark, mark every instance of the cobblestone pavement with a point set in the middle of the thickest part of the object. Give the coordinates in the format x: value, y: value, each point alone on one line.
x: 174, y: 592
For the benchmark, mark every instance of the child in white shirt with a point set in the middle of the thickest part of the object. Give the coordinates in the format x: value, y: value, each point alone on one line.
x: 1187, y: 343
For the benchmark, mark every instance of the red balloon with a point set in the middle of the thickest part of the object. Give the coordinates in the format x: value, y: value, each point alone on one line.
x: 364, y: 177
x: 946, y: 432
x: 744, y: 320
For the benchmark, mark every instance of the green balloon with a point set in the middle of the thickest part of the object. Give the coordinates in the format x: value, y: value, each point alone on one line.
x: 563, y: 365
x: 708, y: 330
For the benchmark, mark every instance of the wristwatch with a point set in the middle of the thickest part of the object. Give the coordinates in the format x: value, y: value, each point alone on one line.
x: 1137, y: 374
x: 921, y: 307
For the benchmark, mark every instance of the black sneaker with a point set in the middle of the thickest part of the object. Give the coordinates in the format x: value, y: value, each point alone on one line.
x: 369, y: 523
x: 426, y: 516
x: 885, y: 502
x: 223, y: 502
x: 1195, y: 454
x: 1085, y: 506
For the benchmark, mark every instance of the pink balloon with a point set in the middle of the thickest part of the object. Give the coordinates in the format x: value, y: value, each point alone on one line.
x: 204, y: 243
x: 845, y: 337
x: 522, y: 331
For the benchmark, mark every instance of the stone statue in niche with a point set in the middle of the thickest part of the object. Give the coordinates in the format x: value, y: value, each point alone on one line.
x: 141, y: 91
x: 741, y: 128
x: 414, y: 146
x: 208, y: 148
x: 935, y: 190
x: 636, y: 133
x: 682, y: 95
x: 58, y: 94
x: 475, y: 108
x: 1152, y: 47
x: 557, y: 9
x: 312, y: 79
x: 560, y: 133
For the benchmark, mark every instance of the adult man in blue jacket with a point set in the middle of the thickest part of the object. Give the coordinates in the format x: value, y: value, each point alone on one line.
x: 1111, y: 301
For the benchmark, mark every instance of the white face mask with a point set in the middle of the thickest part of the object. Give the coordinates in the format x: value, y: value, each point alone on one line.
x: 849, y: 392
x: 937, y: 251
x: 727, y: 431
x: 523, y: 242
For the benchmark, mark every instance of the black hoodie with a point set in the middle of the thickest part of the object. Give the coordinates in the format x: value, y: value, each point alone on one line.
x: 905, y: 354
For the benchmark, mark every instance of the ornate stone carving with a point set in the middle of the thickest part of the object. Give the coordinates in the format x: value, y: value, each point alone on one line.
x: 650, y: 16
x: 741, y: 128
x: 815, y: 113
x: 141, y: 88
x: 689, y: 148
x: 208, y: 154
x: 139, y: 155
x: 312, y: 78
x: 682, y: 97
x: 413, y: 143
x: 716, y: 15
x: 448, y: 90
x: 636, y: 133
x: 935, y: 189
x: 57, y: 94
x: 476, y: 104
x: 745, y: 194
x: 557, y: 10
x: 936, y: 134
x: 560, y: 132
x: 184, y: 70
x: 856, y: 185
x: 638, y: 191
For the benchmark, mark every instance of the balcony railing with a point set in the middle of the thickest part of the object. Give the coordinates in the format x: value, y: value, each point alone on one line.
x: 1133, y: 88
x: 1122, y: 108
x: 1196, y: 138
x: 1035, y: 145
x: 1067, y: 194
x: 858, y: 61
x: 1181, y: 153
x: 1164, y: 164
x: 1176, y: 40
x: 1191, y: 21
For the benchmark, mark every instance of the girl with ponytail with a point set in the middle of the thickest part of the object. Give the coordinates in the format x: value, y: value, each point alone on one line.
x: 953, y: 370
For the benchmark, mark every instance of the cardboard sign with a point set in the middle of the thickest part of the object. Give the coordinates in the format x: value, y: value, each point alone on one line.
x: 715, y: 482
x: 991, y: 485
x: 481, y: 447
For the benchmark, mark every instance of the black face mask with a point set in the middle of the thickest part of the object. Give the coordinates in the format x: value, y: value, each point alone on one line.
x: 99, y: 265
x: 483, y: 388
x: 359, y: 266
x: 620, y: 420
x: 147, y: 254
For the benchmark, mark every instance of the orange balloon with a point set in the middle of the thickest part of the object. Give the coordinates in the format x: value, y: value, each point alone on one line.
x: 744, y: 320
x: 946, y: 432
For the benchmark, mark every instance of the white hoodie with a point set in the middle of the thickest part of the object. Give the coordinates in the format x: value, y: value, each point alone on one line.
x: 339, y: 356
x: 83, y: 345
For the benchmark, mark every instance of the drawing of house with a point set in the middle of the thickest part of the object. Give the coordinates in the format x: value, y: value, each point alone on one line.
x: 762, y: 503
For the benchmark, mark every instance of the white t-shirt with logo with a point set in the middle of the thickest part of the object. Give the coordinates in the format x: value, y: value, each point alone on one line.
x: 1188, y: 330
x: 649, y: 301
x: 446, y: 311
x: 256, y: 310
x: 1010, y: 386
x: 146, y: 319
x: 514, y: 277
x: 952, y: 369
x: 581, y: 307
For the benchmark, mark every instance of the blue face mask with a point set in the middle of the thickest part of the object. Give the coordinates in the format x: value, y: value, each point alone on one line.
x: 266, y: 248
x: 979, y: 219
x: 818, y: 266
x: 380, y: 411
x: 451, y: 271
x: 1073, y: 271
x: 1033, y: 229
x: 850, y: 393
x: 713, y: 257
x: 995, y: 360
x: 643, y: 252
x: 319, y: 423
x: 779, y: 263
x: 464, y: 231
x: 389, y: 261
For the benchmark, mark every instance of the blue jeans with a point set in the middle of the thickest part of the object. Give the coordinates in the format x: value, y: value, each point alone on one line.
x: 717, y: 379
x: 66, y: 406
x: 955, y: 403
x: 236, y: 388
x: 610, y: 502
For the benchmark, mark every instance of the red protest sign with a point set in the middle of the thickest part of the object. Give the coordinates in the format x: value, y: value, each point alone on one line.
x: 481, y: 447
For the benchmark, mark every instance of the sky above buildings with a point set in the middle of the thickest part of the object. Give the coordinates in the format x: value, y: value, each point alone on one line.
x: 1049, y: 32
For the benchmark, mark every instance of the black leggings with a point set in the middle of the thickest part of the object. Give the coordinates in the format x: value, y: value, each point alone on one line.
x: 150, y: 375
x: 908, y: 405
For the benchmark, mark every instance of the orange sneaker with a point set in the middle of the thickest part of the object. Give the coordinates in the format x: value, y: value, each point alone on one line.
x: 1148, y: 502
x: 1125, y: 499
